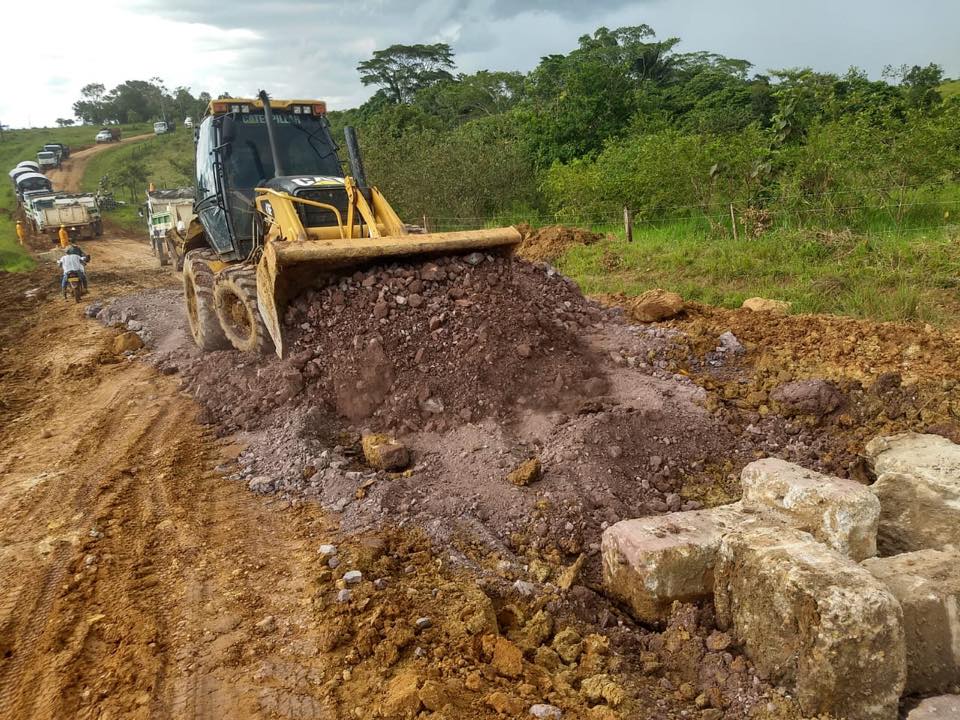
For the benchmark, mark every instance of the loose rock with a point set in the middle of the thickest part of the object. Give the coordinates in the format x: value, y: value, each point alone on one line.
x: 774, y: 307
x: 655, y: 305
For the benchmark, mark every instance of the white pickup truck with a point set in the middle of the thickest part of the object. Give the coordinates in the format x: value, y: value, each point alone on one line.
x: 79, y: 213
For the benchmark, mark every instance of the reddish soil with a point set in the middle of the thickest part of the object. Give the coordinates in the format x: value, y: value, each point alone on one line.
x: 548, y: 243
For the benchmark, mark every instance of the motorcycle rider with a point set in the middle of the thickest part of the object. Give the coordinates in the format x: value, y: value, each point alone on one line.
x: 74, y: 249
x: 72, y: 262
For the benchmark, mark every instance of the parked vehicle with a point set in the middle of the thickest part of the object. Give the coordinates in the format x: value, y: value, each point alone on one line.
x: 160, y: 127
x: 57, y: 149
x: 79, y: 213
x: 48, y: 160
x: 169, y: 213
x: 31, y: 181
x: 29, y: 164
x: 18, y: 171
x: 108, y: 135
x: 188, y: 122
x: 64, y: 150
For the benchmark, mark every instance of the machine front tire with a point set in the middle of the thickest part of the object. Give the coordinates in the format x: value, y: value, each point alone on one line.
x: 160, y: 248
x: 235, y: 300
x: 198, y: 297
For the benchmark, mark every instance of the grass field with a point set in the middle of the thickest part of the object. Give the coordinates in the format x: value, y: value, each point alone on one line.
x: 167, y: 162
x: 884, y: 275
x: 18, y: 145
x: 950, y: 89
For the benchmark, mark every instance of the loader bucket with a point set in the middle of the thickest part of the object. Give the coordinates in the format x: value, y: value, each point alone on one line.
x: 288, y: 267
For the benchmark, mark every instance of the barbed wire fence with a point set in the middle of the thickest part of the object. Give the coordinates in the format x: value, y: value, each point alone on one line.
x: 878, y: 213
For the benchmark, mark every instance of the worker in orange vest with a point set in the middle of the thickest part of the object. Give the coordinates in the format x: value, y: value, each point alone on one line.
x: 64, y: 237
x: 20, y: 232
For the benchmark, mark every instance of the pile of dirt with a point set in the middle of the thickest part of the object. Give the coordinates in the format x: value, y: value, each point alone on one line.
x: 477, y: 364
x: 886, y: 378
x: 548, y: 243
x: 419, y: 347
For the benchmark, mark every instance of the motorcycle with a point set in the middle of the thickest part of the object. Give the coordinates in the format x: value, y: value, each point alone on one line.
x: 74, y: 286
x: 76, y: 283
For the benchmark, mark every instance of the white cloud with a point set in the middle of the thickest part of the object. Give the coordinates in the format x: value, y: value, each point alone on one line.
x: 310, y: 48
x: 106, y: 43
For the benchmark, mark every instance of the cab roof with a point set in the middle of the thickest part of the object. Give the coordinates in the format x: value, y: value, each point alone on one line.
x: 223, y: 105
x: 31, y: 176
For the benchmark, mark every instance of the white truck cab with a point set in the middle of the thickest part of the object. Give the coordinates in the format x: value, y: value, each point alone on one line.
x: 48, y: 160
x: 159, y: 127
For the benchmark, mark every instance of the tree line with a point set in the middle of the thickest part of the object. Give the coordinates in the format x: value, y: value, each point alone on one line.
x: 626, y: 119
x: 136, y: 101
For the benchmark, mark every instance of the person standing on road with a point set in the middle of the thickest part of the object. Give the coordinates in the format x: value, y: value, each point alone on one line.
x: 20, y: 232
x: 64, y: 237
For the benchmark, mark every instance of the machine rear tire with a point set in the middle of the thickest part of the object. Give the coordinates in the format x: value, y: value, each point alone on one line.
x: 198, y: 298
x: 235, y: 300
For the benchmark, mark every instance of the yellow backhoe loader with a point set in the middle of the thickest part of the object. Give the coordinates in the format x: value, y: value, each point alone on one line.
x: 276, y: 213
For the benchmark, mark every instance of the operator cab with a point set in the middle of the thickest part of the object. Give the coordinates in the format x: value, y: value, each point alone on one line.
x: 234, y: 158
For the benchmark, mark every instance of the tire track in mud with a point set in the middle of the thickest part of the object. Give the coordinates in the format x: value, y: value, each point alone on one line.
x: 132, y: 576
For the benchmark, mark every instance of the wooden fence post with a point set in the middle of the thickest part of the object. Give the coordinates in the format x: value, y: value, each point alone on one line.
x: 628, y: 223
x: 733, y: 223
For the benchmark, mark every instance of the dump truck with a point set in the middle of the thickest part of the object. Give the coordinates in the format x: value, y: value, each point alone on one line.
x: 77, y: 212
x: 108, y: 135
x: 277, y: 211
x: 28, y: 181
x: 169, y: 213
x: 22, y: 169
x: 48, y: 160
x: 58, y: 150
x: 64, y: 149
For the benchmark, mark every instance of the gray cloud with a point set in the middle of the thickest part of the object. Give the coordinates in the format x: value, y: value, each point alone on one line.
x: 312, y: 47
x: 572, y: 9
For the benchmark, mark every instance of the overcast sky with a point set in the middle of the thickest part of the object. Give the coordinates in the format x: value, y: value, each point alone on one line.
x: 310, y: 48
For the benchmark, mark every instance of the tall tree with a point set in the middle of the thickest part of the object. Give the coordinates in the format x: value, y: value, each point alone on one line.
x: 90, y: 107
x: 575, y: 102
x: 403, y: 70
x: 472, y: 96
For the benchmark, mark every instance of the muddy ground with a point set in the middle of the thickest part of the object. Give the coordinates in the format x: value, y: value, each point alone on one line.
x: 168, y: 514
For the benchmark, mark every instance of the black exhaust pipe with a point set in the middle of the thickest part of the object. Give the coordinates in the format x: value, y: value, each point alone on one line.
x: 271, y: 135
x: 353, y: 153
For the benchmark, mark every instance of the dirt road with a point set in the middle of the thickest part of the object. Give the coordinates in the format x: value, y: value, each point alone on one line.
x: 69, y: 175
x: 132, y: 575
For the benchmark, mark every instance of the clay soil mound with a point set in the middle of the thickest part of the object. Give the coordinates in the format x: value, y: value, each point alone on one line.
x: 548, y: 243
x: 412, y: 347
x: 416, y: 347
